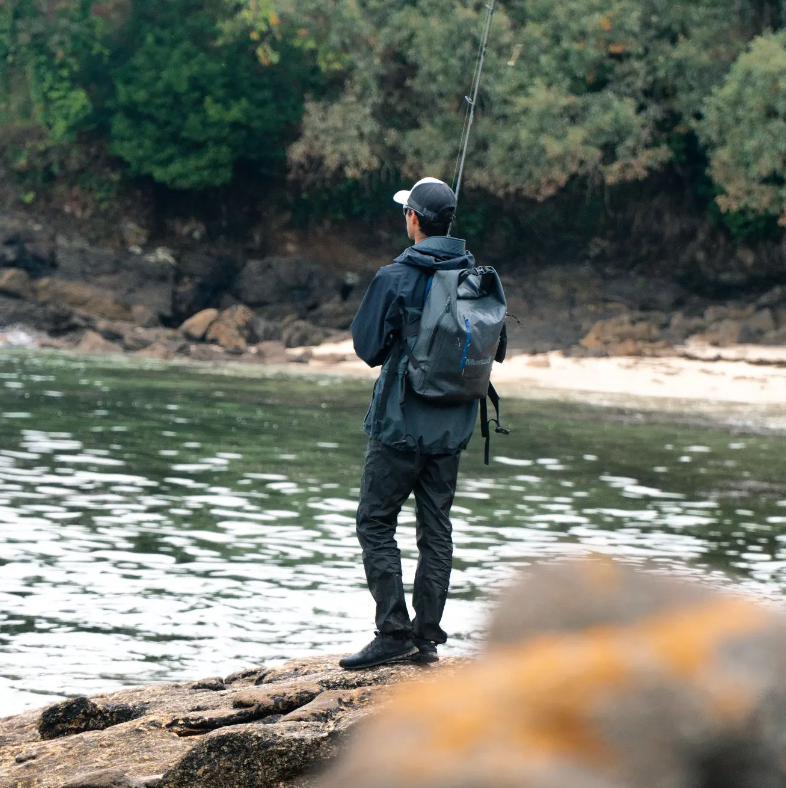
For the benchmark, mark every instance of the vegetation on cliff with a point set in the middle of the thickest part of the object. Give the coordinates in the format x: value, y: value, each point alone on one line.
x: 343, y: 96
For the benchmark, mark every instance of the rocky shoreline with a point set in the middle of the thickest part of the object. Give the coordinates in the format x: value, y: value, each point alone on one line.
x: 269, y: 304
x: 593, y: 673
x: 256, y: 728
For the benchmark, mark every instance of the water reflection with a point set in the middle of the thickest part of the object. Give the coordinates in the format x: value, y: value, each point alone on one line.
x: 162, y: 523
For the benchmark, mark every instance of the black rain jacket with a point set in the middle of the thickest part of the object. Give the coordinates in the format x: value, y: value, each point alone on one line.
x: 395, y: 298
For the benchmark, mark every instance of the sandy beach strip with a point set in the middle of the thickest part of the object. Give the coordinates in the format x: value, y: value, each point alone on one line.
x: 743, y: 380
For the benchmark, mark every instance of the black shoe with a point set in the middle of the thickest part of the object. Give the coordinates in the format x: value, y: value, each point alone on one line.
x: 383, y: 650
x: 427, y: 651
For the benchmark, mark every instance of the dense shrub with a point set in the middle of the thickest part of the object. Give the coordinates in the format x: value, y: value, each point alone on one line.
x: 190, y: 104
x: 744, y: 130
x: 50, y: 53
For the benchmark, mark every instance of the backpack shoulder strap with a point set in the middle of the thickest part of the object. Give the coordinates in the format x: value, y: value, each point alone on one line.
x: 400, y: 345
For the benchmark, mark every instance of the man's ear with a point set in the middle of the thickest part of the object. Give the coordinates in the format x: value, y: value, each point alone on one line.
x: 416, y: 220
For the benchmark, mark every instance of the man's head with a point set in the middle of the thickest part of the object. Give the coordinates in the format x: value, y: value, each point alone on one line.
x: 429, y: 207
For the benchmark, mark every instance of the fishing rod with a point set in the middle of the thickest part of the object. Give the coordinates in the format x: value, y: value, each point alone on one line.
x: 472, y: 102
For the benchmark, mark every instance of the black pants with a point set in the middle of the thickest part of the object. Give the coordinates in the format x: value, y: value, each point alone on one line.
x: 389, y: 476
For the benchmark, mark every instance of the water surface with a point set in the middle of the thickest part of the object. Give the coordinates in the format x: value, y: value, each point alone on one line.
x: 172, y: 522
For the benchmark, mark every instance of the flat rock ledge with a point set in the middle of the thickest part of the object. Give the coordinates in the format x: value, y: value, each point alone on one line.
x: 257, y: 728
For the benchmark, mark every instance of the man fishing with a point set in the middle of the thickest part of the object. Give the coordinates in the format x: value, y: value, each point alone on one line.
x: 414, y: 442
x: 436, y: 325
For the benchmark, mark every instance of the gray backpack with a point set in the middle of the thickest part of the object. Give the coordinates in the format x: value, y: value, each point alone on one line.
x: 457, y: 340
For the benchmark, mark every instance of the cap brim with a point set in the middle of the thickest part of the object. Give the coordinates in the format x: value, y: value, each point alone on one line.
x: 402, y: 197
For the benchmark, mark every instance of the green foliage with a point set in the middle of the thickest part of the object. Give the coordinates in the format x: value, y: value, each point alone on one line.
x: 189, y: 106
x: 593, y: 89
x: 352, y: 97
x: 744, y: 130
x: 46, y: 49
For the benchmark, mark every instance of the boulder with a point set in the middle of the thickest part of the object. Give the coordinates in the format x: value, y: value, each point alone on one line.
x: 103, y: 778
x: 681, y: 326
x: 196, y: 326
x: 200, y: 279
x: 719, y: 312
x: 773, y: 297
x: 59, y: 319
x: 594, y: 675
x: 38, y: 258
x: 24, y: 245
x: 16, y: 283
x: 264, y: 330
x: 93, y: 343
x: 15, y: 311
x: 228, y: 338
x: 232, y: 329
x: 761, y: 322
x: 777, y: 337
x: 622, y: 328
x: 51, y: 343
x: 336, y: 313
x: 722, y: 334
x: 157, y: 350
x: 85, y: 297
x: 144, y: 316
x: 206, y: 352
x: 214, y: 684
x: 286, y: 280
x: 132, y: 279
x: 136, y: 338
x: 113, y: 330
x: 301, y: 333
x: 261, y: 756
x: 628, y: 347
x: 81, y: 714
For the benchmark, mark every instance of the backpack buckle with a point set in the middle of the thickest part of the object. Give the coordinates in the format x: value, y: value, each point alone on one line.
x: 502, y: 431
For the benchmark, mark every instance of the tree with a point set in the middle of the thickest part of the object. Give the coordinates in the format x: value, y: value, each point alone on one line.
x: 191, y: 102
x: 744, y: 130
x: 581, y: 88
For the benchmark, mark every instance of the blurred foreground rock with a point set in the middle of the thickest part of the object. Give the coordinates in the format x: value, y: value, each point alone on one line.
x: 254, y: 729
x: 595, y: 677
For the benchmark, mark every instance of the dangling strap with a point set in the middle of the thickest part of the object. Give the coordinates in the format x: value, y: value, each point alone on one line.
x: 484, y: 426
x: 485, y: 420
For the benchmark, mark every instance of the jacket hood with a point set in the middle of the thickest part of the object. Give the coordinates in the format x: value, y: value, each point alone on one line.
x: 438, y: 252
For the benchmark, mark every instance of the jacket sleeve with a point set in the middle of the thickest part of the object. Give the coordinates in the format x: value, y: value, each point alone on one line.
x: 378, y: 319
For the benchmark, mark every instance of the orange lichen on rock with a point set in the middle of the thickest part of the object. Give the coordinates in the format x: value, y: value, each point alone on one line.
x: 580, y: 702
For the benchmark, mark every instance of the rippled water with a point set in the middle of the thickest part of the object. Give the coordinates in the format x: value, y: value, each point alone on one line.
x: 161, y: 522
